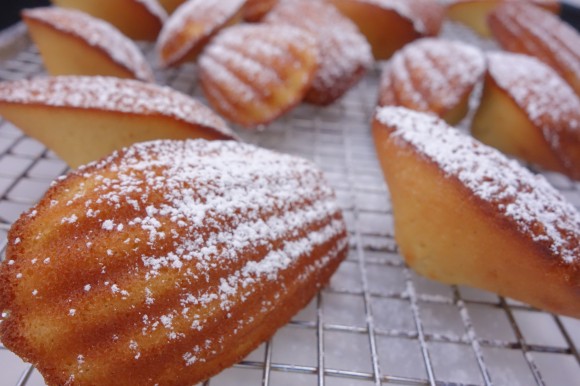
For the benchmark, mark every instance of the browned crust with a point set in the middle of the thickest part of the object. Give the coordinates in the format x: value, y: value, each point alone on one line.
x: 528, y: 35
x: 236, y: 110
x: 287, y: 295
x: 393, y: 93
x: 327, y: 25
x: 217, y: 96
x: 560, y: 291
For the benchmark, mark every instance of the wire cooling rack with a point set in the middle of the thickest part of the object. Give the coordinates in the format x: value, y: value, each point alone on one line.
x: 377, y: 322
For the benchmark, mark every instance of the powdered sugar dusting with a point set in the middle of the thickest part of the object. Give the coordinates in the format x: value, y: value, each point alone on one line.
x: 191, y: 22
x: 344, y: 51
x: 547, y: 100
x: 534, y: 31
x: 529, y: 201
x: 224, y: 215
x: 431, y: 75
x: 113, y: 94
x: 246, y: 70
x: 97, y: 33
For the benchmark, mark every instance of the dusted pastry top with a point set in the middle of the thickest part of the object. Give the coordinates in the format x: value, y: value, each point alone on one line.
x: 548, y: 100
x: 344, y: 50
x: 537, y: 32
x: 164, y: 255
x: 253, y: 73
x: 537, y: 209
x: 98, y: 33
x: 112, y: 94
x: 432, y: 75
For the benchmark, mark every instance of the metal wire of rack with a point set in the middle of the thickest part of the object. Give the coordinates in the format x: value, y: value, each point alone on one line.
x: 377, y: 322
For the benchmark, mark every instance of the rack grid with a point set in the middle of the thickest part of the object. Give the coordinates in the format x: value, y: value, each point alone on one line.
x: 377, y: 322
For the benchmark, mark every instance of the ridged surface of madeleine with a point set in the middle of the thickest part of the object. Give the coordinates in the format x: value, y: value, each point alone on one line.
x: 344, y: 52
x: 252, y: 74
x: 533, y: 31
x: 432, y: 75
x: 550, y: 105
x: 166, y: 262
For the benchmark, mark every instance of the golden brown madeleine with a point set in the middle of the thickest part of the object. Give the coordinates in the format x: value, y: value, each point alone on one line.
x: 137, y: 19
x: 530, y: 30
x: 345, y: 54
x: 474, y: 13
x: 433, y: 75
x: 252, y: 74
x: 74, y: 43
x: 390, y: 24
x: 255, y: 10
x: 466, y: 214
x: 528, y: 111
x: 85, y: 118
x: 192, y: 26
x: 167, y: 262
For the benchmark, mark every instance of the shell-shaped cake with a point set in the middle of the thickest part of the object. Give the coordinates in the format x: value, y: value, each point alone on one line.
x: 474, y: 13
x: 137, y: 19
x: 72, y: 42
x: 85, y: 118
x: 255, y: 10
x: 528, y: 111
x: 192, y: 26
x: 252, y: 74
x: 466, y: 214
x: 345, y: 53
x: 166, y: 262
x: 432, y: 75
x: 533, y: 31
x: 390, y: 24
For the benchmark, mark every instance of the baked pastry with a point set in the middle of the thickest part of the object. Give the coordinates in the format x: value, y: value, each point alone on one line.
x: 530, y: 30
x: 474, y: 13
x: 432, y: 75
x: 528, y: 111
x: 137, y: 19
x: 171, y: 5
x: 255, y: 10
x: 192, y: 26
x: 345, y: 54
x: 74, y: 43
x: 252, y: 74
x: 166, y: 262
x: 85, y: 118
x: 485, y: 222
x: 390, y: 24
